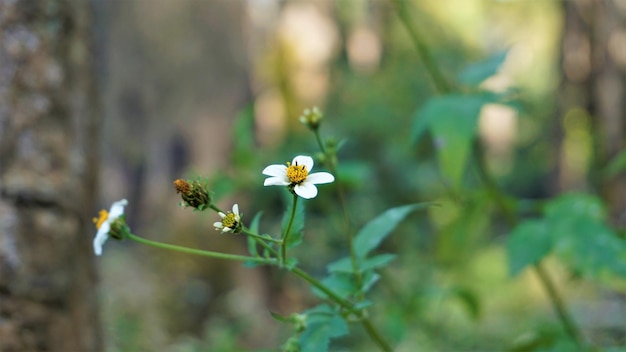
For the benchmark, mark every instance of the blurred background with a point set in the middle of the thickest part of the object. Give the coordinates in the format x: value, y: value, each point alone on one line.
x: 214, y: 88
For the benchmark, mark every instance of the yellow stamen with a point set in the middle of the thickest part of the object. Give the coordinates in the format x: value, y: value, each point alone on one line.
x: 296, y: 173
x: 230, y: 220
x: 103, y: 215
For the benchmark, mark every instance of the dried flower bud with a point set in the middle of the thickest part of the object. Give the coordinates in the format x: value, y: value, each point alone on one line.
x: 193, y: 194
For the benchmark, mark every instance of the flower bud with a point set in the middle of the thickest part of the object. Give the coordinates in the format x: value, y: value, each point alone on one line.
x: 194, y: 194
x: 311, y: 118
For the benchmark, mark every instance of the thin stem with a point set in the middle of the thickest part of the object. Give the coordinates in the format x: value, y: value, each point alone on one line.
x: 211, y: 254
x: 512, y: 218
x: 214, y: 207
x: 559, y: 306
x: 247, y: 232
x: 261, y: 241
x: 346, y: 215
x: 437, y: 76
x: 367, y: 324
x: 283, y: 247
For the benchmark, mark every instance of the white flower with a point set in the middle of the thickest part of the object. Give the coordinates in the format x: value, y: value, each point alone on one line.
x: 296, y: 175
x: 230, y: 221
x: 103, y: 224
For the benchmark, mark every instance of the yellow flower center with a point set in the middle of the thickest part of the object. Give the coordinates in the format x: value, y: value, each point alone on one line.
x: 230, y: 220
x: 103, y: 215
x: 296, y: 173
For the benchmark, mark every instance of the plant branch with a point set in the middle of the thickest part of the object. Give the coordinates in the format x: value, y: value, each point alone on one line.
x: 211, y: 254
x: 346, y: 215
x: 512, y: 218
x: 367, y: 324
x: 436, y: 75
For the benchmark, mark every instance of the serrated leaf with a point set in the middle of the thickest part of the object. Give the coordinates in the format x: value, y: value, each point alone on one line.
x: 529, y: 242
x: 453, y: 124
x: 341, y: 284
x: 321, y: 328
x: 375, y: 231
x: 369, y: 279
x: 593, y: 250
x: 344, y: 265
x: 572, y: 206
x: 476, y: 73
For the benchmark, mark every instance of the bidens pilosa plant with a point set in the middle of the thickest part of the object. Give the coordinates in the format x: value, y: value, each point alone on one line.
x: 342, y: 292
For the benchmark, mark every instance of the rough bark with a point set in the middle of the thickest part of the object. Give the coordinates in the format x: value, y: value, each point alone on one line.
x: 47, y: 177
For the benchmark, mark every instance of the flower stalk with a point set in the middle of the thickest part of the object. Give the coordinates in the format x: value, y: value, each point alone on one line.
x: 283, y: 246
x: 210, y: 254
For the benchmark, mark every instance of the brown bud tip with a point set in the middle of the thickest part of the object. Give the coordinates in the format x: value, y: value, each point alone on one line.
x: 182, y: 186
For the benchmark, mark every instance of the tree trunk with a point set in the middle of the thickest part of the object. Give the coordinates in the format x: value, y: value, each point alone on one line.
x: 48, y: 169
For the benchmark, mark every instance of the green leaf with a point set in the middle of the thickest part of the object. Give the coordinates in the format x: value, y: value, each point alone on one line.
x: 453, y: 124
x: 575, y: 230
x: 476, y: 73
x: 469, y: 299
x: 281, y: 318
x: 322, y: 326
x: 375, y: 231
x: 341, y: 284
x: 616, y: 165
x: 369, y: 279
x: 529, y: 242
x: 570, y: 207
x: 344, y: 265
x: 254, y: 227
x: 295, y: 236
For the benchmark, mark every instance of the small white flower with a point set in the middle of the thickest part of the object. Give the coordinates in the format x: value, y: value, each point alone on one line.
x: 297, y: 176
x: 230, y: 221
x: 103, y: 224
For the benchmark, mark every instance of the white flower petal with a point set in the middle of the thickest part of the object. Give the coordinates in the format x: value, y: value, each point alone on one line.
x: 305, y: 160
x: 276, y: 181
x: 306, y: 190
x: 117, y: 210
x: 226, y: 229
x: 218, y: 225
x: 275, y: 170
x: 222, y: 215
x: 320, y: 177
x: 236, y: 210
x: 101, y: 236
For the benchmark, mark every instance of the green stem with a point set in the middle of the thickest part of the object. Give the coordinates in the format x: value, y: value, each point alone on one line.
x: 512, y: 218
x: 261, y: 241
x: 367, y: 324
x: 214, y: 207
x: 437, y: 76
x: 283, y: 247
x: 247, y: 232
x: 211, y: 254
x: 346, y: 216
x: 559, y: 306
